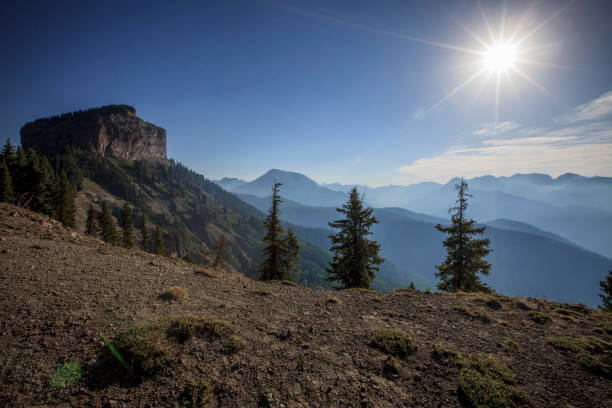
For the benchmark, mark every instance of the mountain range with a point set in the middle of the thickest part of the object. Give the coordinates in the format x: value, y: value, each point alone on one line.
x: 574, y: 207
x: 527, y: 259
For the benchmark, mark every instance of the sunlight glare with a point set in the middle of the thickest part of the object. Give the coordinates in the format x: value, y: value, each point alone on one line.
x: 500, y: 57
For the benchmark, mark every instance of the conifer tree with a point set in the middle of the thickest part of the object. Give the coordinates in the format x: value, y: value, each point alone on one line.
x: 290, y: 255
x: 465, y: 254
x: 220, y: 251
x: 356, y: 258
x: 271, y: 268
x: 128, y: 226
x: 43, y: 186
x: 64, y: 200
x: 107, y: 225
x: 6, y: 183
x: 606, y: 288
x: 160, y: 245
x: 91, y: 225
x: 19, y: 174
x: 144, y: 235
x: 8, y: 154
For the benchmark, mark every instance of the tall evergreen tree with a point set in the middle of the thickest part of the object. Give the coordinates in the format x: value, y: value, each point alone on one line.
x: 19, y: 173
x: 8, y: 154
x: 160, y: 246
x: 64, y: 200
x: 290, y: 255
x: 356, y: 258
x: 128, y: 226
x: 91, y: 225
x: 144, y: 235
x: 107, y: 224
x: 606, y: 288
x: 271, y: 268
x: 220, y: 253
x: 465, y: 254
x: 6, y: 183
x: 43, y: 186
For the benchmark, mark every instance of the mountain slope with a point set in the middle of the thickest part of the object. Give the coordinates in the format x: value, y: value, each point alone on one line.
x: 296, y: 187
x: 299, y: 347
x: 524, y: 264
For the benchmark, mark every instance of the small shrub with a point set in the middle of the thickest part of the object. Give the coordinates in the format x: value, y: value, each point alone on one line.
x: 446, y: 356
x: 66, y: 375
x: 263, y: 292
x: 538, y: 317
x: 289, y: 283
x: 174, y: 293
x: 390, y: 313
x: 333, y: 299
x: 489, y: 300
x: 474, y: 313
x: 38, y: 246
x: 204, y: 272
x: 512, y: 343
x: 146, y: 349
x: 428, y: 291
x: 196, y: 394
x: 234, y: 345
x: 393, y: 342
x: 593, y: 353
x: 377, y: 300
x: 391, y: 367
x: 485, y: 382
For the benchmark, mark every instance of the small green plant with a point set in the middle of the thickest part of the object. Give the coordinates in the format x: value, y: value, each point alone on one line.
x: 593, y: 353
x: 486, y: 383
x: 512, y: 343
x: 391, y: 367
x: 538, y: 317
x: 204, y: 272
x: 393, y: 342
x: 428, y: 291
x: 474, y: 313
x: 390, y: 313
x: 196, y: 394
x: 264, y: 292
x: 446, y: 356
x: 66, y: 375
x: 174, y: 293
x: 234, y: 345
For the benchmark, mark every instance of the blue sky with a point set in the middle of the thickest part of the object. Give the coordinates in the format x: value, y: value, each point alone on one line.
x: 344, y: 91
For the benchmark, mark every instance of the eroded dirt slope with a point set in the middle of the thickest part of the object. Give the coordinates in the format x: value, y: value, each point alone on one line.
x: 302, y: 347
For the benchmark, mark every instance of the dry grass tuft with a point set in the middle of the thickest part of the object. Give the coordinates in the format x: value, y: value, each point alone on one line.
x: 174, y: 293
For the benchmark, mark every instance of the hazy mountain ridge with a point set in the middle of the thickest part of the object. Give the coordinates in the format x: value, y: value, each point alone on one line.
x: 525, y: 259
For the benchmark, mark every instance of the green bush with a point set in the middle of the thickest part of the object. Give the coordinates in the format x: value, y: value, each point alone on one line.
x: 393, y: 342
x: 446, y: 356
x: 538, y: 317
x: 66, y: 375
x: 487, y: 383
x: 593, y: 353
x: 474, y: 313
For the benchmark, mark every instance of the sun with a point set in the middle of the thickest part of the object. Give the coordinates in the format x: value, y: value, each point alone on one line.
x: 500, y: 57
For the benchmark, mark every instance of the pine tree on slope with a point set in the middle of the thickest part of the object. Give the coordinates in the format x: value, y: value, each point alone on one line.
x: 356, y: 257
x: 160, y: 245
x: 64, y: 200
x: 606, y: 288
x: 465, y: 254
x: 290, y: 255
x: 107, y: 225
x: 128, y: 226
x: 271, y: 268
x: 91, y: 225
x: 6, y: 184
x: 144, y: 235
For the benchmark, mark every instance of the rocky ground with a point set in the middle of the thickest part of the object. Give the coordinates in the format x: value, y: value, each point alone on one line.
x: 281, y: 346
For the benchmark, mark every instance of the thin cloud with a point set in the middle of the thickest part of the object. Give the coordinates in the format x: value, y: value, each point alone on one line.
x: 577, y: 146
x: 597, y: 109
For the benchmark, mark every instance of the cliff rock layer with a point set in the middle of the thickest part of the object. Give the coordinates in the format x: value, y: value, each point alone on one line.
x: 113, y: 131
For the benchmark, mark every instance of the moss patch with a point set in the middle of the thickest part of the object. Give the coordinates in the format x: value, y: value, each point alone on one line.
x: 66, y: 375
x: 593, y: 353
x: 474, y: 313
x: 485, y: 382
x: 393, y: 342
x: 538, y: 317
x: 174, y: 293
x: 196, y: 394
x: 149, y: 347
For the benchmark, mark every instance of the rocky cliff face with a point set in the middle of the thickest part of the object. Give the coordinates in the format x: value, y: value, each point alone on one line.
x: 113, y: 131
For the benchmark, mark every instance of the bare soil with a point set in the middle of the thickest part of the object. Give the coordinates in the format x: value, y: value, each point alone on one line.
x: 59, y: 290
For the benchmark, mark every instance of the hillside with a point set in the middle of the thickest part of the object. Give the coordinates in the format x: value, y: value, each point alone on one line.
x: 525, y: 261
x: 291, y: 347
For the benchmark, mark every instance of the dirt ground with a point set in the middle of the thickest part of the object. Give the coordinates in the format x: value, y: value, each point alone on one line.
x: 302, y: 347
